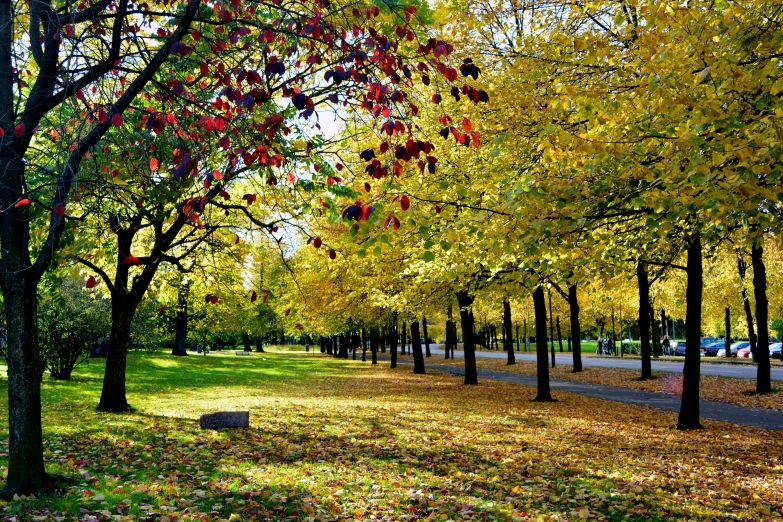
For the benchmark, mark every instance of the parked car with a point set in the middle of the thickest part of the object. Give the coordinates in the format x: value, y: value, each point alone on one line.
x: 705, y: 341
x: 735, y: 347
x: 677, y: 347
x: 775, y: 350
x: 711, y: 350
x: 744, y: 353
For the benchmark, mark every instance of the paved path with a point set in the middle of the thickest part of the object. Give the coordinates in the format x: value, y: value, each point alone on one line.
x: 742, y: 371
x: 719, y: 411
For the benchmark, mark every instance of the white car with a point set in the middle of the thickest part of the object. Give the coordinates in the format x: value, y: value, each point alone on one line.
x: 735, y: 347
x: 775, y: 350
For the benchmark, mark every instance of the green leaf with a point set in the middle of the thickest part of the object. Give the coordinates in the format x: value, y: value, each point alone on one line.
x: 429, y: 256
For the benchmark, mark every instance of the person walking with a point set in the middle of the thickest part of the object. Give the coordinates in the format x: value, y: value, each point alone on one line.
x: 599, y: 349
x: 610, y: 346
x: 666, y: 345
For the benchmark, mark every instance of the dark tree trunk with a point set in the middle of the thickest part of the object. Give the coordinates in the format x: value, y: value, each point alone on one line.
x: 742, y: 268
x: 465, y: 301
x: 689, y: 409
x: 384, y: 336
x: 728, y: 331
x: 539, y: 308
x: 495, y: 336
x: 551, y: 328
x: 259, y: 344
x: 404, y: 335
x: 113, y: 392
x: 343, y: 346
x: 576, y: 331
x: 364, y: 345
x: 328, y: 345
x: 246, y: 341
x: 614, y: 332
x: 418, y: 356
x: 527, y: 338
x: 644, y: 320
x: 25, y: 439
x: 354, y: 342
x: 374, y: 345
x: 508, y: 342
x: 451, y: 340
x: 426, y: 337
x: 393, y: 337
x: 559, y: 335
x: 516, y: 338
x: 763, y: 379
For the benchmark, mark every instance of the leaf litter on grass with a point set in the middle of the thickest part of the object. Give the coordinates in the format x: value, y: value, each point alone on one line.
x: 338, y: 440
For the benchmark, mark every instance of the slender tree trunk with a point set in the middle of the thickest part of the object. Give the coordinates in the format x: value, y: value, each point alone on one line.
x: 728, y: 331
x: 246, y: 341
x: 644, y: 320
x: 181, y: 335
x: 551, y: 328
x: 689, y: 409
x: 516, y: 338
x: 393, y: 341
x: 559, y: 335
x: 418, y: 356
x: 343, y: 346
x: 374, y: 345
x: 614, y: 333
x: 576, y: 333
x: 656, y: 332
x: 364, y: 345
x: 539, y: 308
x: 495, y: 336
x: 353, y: 341
x: 259, y: 344
x: 384, y: 339
x: 763, y: 379
x: 113, y: 396
x: 742, y: 268
x: 426, y: 337
x: 404, y: 335
x: 465, y: 301
x: 508, y: 342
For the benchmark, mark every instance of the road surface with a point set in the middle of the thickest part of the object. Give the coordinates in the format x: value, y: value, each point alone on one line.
x: 741, y: 371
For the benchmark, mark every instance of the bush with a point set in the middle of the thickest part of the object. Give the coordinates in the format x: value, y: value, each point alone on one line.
x: 70, y: 323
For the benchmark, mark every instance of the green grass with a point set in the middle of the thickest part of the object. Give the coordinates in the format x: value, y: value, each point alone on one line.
x: 333, y: 439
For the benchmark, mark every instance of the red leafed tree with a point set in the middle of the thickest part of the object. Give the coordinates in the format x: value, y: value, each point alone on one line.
x: 223, y: 83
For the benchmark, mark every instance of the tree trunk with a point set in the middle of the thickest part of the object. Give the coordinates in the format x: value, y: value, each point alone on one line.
x: 495, y: 336
x: 354, y: 341
x: 576, y: 333
x: 508, y: 342
x: 374, y: 345
x: 539, y: 308
x: 728, y: 331
x: 742, y: 268
x: 551, y: 328
x: 393, y: 338
x: 246, y: 341
x: 418, y: 356
x: 763, y: 379
x: 656, y: 332
x: 26, y: 472
x: 383, y: 339
x: 404, y: 336
x: 426, y: 337
x: 644, y: 320
x: 559, y: 335
x: 465, y: 301
x: 343, y: 346
x: 689, y: 409
x: 364, y: 345
x: 113, y: 396
x: 259, y: 344
x: 516, y: 337
x: 181, y: 336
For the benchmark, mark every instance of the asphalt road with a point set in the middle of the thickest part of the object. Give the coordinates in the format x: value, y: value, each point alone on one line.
x: 741, y: 371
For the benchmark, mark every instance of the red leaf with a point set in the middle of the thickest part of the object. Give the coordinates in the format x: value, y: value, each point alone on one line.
x: 405, y: 203
x: 211, y: 298
x: 236, y: 241
x: 388, y: 220
x: 154, y: 164
x: 91, y: 282
x: 287, y: 312
x: 253, y: 297
x: 59, y: 209
x: 131, y: 260
x: 102, y: 116
x: 21, y: 203
x: 2, y: 132
x: 317, y: 242
x: 466, y: 125
x: 396, y: 224
x: 299, y: 326
x: 367, y: 187
x: 332, y: 254
x: 162, y: 309
x: 116, y: 120
x: 19, y: 130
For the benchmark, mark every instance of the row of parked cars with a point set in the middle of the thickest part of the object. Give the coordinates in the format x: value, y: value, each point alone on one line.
x: 712, y: 347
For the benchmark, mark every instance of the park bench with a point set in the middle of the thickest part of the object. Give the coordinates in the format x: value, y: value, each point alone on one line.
x: 242, y: 353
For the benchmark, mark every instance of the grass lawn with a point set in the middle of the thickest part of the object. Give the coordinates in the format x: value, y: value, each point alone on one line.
x: 343, y: 440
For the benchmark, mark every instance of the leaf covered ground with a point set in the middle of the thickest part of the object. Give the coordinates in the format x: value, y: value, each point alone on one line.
x: 711, y: 387
x: 343, y: 440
